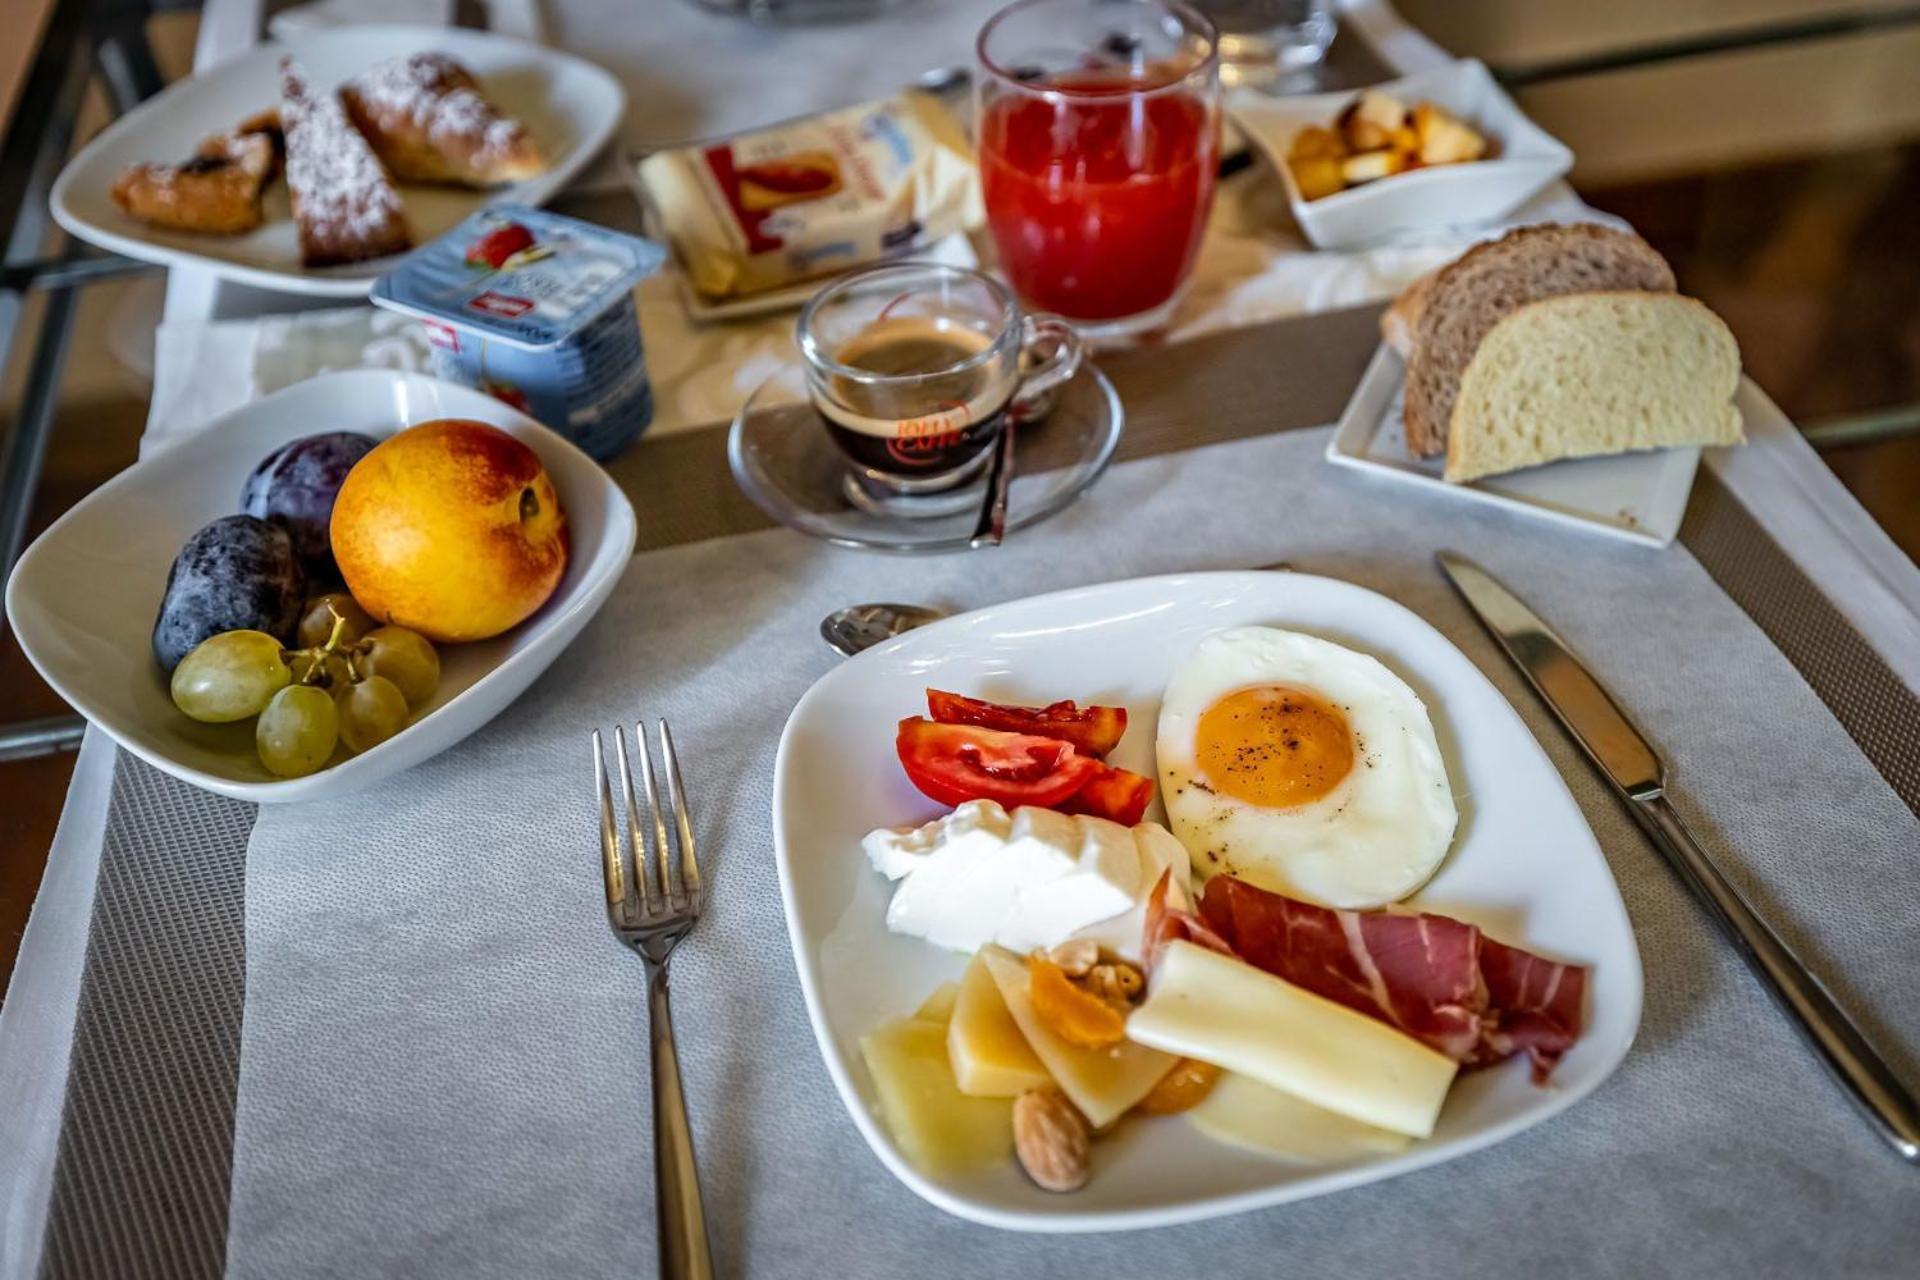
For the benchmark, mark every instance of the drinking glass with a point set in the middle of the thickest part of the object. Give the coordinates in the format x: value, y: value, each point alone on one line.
x: 1263, y: 42
x: 1099, y: 137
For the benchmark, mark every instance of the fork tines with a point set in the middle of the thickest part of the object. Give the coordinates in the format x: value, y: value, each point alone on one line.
x: 654, y: 877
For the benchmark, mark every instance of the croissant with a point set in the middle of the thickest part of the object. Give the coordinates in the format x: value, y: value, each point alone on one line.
x: 427, y: 119
x: 344, y: 207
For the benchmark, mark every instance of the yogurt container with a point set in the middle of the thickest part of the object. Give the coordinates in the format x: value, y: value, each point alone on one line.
x: 536, y: 310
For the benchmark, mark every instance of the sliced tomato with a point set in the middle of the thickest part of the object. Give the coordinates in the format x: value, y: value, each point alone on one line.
x: 955, y: 763
x: 1116, y: 794
x: 1094, y: 730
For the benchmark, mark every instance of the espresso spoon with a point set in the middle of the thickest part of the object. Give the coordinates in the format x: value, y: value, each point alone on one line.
x: 862, y: 626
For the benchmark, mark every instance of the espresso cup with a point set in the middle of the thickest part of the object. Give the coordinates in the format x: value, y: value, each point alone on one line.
x: 917, y: 368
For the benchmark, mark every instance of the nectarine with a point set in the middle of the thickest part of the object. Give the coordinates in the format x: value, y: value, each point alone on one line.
x: 451, y: 528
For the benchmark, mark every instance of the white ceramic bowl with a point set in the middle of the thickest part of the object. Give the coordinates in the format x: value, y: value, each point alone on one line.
x: 571, y: 106
x: 82, y: 599
x: 1424, y: 202
x: 1524, y: 866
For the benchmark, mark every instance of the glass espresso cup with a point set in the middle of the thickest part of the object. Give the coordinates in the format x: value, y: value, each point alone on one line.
x: 918, y: 367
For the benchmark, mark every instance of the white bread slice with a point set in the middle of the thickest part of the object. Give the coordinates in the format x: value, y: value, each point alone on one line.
x: 1399, y: 321
x: 1594, y: 373
x: 1473, y: 292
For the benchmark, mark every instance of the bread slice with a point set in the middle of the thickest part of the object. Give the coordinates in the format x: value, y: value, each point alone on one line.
x: 1594, y: 373
x: 1402, y: 317
x: 1482, y: 286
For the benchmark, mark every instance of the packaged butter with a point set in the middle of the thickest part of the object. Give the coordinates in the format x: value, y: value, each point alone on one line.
x: 815, y: 196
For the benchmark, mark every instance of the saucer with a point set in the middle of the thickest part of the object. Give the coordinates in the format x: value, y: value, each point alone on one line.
x: 784, y: 460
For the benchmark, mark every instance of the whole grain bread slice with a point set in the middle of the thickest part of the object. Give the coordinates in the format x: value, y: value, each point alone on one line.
x: 1491, y: 281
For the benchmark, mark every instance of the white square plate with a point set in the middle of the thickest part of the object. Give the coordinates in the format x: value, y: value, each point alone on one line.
x: 1524, y: 865
x: 571, y: 106
x: 1639, y: 497
x: 82, y: 599
x: 1423, y: 203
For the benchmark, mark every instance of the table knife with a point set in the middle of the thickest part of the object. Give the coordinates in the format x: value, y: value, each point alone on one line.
x: 1621, y: 753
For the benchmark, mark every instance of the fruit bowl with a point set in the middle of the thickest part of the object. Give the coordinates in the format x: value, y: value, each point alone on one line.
x: 82, y: 599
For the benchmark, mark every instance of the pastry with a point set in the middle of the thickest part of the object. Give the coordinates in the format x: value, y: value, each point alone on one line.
x: 217, y: 192
x: 344, y: 207
x: 428, y: 120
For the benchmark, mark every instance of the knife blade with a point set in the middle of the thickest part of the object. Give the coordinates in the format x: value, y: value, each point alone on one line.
x: 1629, y: 762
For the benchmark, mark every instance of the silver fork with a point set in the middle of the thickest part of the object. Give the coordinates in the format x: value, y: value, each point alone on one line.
x: 653, y: 901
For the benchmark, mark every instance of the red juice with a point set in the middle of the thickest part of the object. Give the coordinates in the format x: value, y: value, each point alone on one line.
x: 1097, y: 202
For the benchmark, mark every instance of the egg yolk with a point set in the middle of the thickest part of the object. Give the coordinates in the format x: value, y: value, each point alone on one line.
x: 1273, y: 746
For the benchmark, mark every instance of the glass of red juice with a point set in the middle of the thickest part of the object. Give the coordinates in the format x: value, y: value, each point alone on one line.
x: 1099, y: 137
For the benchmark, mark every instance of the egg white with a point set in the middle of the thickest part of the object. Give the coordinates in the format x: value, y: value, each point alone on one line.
x: 1376, y: 837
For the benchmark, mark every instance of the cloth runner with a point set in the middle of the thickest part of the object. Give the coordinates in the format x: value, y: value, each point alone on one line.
x: 443, y: 1063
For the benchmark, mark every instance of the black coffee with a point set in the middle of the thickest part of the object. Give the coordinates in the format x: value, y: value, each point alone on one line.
x: 928, y: 415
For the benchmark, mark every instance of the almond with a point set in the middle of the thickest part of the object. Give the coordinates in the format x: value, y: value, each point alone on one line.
x: 1052, y: 1139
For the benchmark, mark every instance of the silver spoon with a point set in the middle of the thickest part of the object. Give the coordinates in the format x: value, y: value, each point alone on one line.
x: 862, y: 626
x: 991, y: 530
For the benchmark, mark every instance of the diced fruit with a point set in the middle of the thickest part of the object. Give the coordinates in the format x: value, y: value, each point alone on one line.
x: 371, y: 711
x: 938, y: 1007
x: 404, y: 657
x: 1103, y: 1083
x: 297, y: 731
x: 955, y: 763
x: 1222, y: 1010
x: 1077, y: 1017
x: 1244, y: 1113
x: 1181, y: 1089
x: 1118, y: 795
x: 317, y: 624
x: 1371, y: 166
x: 940, y: 1129
x: 230, y: 676
x: 1444, y: 138
x: 1093, y: 731
x: 236, y: 574
x: 451, y: 528
x: 1314, y: 142
x: 990, y: 1058
x: 1317, y: 176
x: 1369, y: 120
x: 295, y: 487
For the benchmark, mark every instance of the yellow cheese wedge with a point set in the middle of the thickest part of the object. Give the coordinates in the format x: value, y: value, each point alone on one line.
x: 1103, y: 1083
x: 940, y: 1129
x: 938, y: 1007
x: 1242, y: 1112
x: 1225, y: 1011
x: 991, y: 1058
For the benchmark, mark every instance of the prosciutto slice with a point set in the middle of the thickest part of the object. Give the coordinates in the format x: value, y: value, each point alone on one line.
x: 1440, y: 980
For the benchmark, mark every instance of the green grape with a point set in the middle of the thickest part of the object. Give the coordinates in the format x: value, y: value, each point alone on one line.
x: 316, y: 622
x: 334, y: 672
x: 229, y: 676
x: 371, y: 711
x: 405, y: 658
x: 297, y: 731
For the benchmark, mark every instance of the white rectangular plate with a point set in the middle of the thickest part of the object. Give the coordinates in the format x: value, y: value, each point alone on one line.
x: 1524, y: 865
x: 571, y: 106
x: 1639, y: 497
x: 82, y: 599
x: 1446, y: 199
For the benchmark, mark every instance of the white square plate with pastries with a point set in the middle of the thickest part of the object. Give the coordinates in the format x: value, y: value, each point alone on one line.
x: 1521, y: 863
x: 569, y: 106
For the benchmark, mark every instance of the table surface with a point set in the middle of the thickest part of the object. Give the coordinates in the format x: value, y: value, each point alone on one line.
x: 1779, y: 480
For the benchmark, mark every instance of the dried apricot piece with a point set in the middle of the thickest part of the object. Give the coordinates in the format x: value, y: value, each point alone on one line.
x: 1074, y: 1015
x: 1190, y: 1081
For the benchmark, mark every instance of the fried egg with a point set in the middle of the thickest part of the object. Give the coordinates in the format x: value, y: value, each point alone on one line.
x: 1303, y: 767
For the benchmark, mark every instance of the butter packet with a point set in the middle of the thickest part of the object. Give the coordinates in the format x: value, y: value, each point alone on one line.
x: 815, y: 196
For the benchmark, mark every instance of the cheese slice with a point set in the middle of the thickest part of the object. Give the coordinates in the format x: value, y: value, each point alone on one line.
x: 1103, y: 1083
x: 938, y: 1007
x: 938, y: 1128
x: 991, y: 1058
x: 1224, y: 1011
x: 1242, y: 1112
